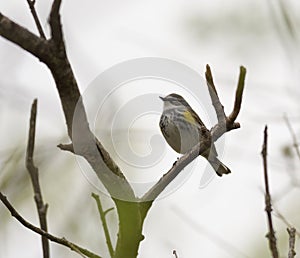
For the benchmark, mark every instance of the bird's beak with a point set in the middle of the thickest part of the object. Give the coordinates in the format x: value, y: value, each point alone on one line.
x: 162, y: 98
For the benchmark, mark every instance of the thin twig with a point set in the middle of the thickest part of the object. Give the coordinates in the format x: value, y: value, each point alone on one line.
x: 34, y: 176
x: 66, y: 147
x: 104, y: 223
x: 238, y: 95
x: 62, y: 241
x: 177, y: 167
x: 271, y: 234
x: 219, y: 108
x: 31, y: 4
x: 294, y: 138
x: 292, y: 240
x: 175, y: 253
x: 108, y: 210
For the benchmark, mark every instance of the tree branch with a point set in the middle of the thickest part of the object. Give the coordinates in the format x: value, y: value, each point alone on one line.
x: 34, y: 176
x: 177, y: 167
x: 271, y: 234
x: 66, y: 147
x: 55, y: 24
x: 23, y: 38
x: 102, y: 214
x: 175, y: 254
x: 219, y: 108
x: 292, y: 240
x: 31, y: 4
x: 238, y: 96
x: 61, y: 241
x: 230, y: 124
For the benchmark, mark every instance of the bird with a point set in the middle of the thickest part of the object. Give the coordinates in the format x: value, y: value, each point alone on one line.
x: 182, y: 128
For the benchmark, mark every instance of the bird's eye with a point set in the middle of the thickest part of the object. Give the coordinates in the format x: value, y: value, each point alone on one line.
x: 175, y: 103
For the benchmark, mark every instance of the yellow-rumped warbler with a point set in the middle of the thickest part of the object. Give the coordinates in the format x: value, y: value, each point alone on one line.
x: 183, y: 129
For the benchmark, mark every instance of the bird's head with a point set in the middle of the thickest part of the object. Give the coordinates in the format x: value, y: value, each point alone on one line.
x: 174, y: 101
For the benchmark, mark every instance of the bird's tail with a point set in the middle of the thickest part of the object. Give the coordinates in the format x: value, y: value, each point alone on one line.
x: 218, y: 166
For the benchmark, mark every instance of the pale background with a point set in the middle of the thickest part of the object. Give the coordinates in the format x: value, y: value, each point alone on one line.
x: 224, y: 219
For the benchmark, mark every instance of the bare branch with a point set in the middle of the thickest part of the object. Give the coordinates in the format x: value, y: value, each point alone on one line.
x: 102, y: 214
x: 175, y: 253
x: 292, y: 240
x: 61, y: 241
x: 108, y: 210
x: 23, y: 38
x: 225, y: 123
x: 66, y: 147
x: 219, y: 108
x: 34, y: 176
x: 238, y: 95
x: 268, y: 202
x: 294, y: 138
x: 31, y: 4
x: 178, y: 166
x: 55, y: 24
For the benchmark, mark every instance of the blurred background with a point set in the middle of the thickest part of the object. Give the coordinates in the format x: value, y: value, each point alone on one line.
x: 225, y: 218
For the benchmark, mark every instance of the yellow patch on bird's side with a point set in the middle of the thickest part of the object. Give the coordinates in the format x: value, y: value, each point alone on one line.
x: 189, y: 117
